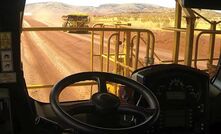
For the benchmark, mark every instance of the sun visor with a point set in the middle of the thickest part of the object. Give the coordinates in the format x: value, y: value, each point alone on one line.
x: 202, y: 4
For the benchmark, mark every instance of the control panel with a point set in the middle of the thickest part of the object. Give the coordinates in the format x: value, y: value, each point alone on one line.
x: 5, y: 112
x: 183, y: 96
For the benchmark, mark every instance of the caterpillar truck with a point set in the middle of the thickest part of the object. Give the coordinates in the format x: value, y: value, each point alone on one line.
x: 165, y: 98
x: 76, y: 20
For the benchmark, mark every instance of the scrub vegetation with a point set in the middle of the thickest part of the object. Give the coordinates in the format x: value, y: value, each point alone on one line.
x: 139, y: 15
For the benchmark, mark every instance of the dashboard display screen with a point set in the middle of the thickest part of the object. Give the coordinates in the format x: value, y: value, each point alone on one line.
x: 173, y: 95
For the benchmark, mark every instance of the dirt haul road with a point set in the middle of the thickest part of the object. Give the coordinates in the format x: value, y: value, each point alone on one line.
x: 50, y: 56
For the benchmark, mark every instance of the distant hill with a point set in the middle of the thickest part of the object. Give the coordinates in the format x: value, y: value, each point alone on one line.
x: 51, y: 12
x: 102, y: 9
x: 125, y: 8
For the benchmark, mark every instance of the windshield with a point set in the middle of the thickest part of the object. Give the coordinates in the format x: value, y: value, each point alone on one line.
x: 49, y: 56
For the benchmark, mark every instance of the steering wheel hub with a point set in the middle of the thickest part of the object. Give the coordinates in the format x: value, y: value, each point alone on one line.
x: 105, y: 102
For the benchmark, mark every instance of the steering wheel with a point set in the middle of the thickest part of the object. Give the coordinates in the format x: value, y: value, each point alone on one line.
x: 105, y: 103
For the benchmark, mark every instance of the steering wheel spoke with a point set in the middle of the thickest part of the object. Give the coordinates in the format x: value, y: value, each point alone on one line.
x: 138, y: 111
x: 102, y: 84
x: 81, y: 107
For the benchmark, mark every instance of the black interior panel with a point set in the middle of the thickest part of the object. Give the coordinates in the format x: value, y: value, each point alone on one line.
x: 183, y: 96
x: 202, y: 4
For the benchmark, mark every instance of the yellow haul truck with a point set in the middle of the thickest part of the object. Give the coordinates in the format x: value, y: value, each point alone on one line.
x: 163, y: 98
x: 75, y: 21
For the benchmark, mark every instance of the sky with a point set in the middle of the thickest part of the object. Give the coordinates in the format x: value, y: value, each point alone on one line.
x: 165, y: 3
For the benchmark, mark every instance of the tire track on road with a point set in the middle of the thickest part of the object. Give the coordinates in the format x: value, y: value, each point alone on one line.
x: 54, y: 52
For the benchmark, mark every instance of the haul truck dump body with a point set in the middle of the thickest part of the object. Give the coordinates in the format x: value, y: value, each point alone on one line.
x: 75, y: 21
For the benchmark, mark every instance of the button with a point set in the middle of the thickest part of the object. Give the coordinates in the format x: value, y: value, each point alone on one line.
x: 1, y: 106
x: 7, y: 66
x: 201, y: 108
x: 6, y: 55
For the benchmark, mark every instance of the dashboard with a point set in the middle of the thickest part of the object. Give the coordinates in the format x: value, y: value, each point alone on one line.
x: 182, y: 93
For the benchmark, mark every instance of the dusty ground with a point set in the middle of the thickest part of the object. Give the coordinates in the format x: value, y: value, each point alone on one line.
x: 50, y: 56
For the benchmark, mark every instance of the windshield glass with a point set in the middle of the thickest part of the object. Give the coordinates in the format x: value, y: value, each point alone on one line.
x: 49, y: 56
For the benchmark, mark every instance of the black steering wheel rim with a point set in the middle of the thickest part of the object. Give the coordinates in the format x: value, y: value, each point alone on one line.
x: 101, y: 77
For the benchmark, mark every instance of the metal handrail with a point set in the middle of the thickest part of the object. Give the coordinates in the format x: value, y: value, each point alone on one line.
x: 123, y: 28
x: 148, y: 42
x: 51, y: 85
x: 147, y: 50
x: 197, y: 43
x: 191, y: 17
x: 184, y: 29
x: 92, y: 44
x: 100, y: 27
x: 108, y: 50
x: 85, y: 29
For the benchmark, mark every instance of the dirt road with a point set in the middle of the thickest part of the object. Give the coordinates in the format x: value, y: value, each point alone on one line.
x: 50, y: 56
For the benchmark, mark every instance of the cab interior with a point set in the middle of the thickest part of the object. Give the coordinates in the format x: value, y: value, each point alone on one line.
x: 156, y: 99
